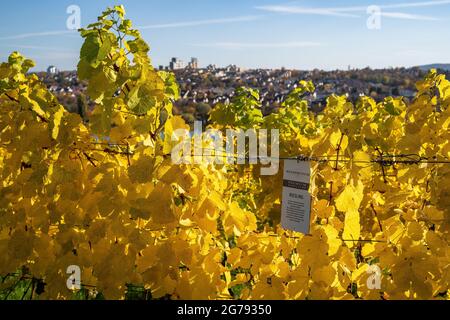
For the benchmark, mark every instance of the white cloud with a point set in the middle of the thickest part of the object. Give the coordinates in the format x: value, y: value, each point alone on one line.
x: 38, y: 34
x: 350, y: 11
x: 33, y: 47
x: 199, y: 22
x: 416, y: 4
x: 400, y: 15
x: 261, y: 45
x: 155, y: 26
x: 303, y: 10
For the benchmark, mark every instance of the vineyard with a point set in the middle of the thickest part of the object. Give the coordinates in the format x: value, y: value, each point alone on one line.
x: 105, y: 195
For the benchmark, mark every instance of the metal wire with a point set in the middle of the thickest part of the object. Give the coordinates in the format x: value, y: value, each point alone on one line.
x: 384, y: 160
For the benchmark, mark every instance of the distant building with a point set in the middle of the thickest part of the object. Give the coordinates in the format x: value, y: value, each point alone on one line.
x: 52, y: 70
x: 193, y: 64
x: 232, y: 68
x: 176, y: 64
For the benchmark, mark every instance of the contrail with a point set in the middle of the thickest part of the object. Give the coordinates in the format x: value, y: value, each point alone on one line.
x: 350, y: 11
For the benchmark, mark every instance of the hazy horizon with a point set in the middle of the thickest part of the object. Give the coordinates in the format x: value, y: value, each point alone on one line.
x: 253, y: 34
x: 35, y: 70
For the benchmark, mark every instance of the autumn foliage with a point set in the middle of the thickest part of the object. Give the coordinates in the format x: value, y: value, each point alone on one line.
x: 104, y: 195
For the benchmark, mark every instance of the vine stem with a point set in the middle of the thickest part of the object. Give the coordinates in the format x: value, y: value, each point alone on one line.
x: 331, y: 192
x: 338, y: 149
x: 381, y: 164
x: 376, y: 215
x: 90, y: 159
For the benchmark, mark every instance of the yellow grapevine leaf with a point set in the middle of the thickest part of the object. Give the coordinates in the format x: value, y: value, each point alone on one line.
x: 349, y: 201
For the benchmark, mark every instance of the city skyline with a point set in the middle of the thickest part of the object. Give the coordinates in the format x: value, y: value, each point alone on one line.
x: 265, y: 34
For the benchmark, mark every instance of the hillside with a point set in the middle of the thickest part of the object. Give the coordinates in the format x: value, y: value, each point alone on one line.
x: 441, y: 66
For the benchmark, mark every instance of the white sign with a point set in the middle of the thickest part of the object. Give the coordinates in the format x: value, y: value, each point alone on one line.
x: 296, y: 203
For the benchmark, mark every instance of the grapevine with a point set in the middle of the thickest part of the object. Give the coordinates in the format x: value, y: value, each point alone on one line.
x: 104, y: 194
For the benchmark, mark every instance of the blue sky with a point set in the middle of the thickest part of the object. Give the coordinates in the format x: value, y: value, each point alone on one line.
x: 301, y: 34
